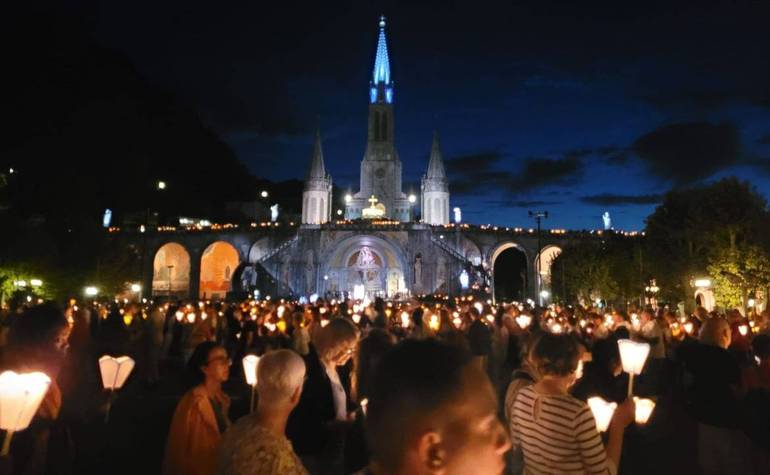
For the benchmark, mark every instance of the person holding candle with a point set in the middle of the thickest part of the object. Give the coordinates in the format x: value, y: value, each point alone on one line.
x: 318, y: 425
x: 256, y: 444
x: 557, y: 432
x: 200, y: 417
x: 713, y: 400
x: 38, y: 341
x: 432, y: 410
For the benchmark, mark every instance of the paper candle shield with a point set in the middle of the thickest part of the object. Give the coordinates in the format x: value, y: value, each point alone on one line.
x: 602, y: 411
x: 115, y: 371
x: 644, y: 408
x: 20, y: 397
x: 633, y: 355
x: 523, y: 321
x: 250, y: 363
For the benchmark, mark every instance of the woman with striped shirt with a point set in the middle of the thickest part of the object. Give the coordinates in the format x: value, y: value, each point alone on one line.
x: 557, y: 433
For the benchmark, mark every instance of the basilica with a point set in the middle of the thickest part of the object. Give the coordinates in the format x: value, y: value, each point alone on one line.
x: 377, y: 263
x: 377, y: 249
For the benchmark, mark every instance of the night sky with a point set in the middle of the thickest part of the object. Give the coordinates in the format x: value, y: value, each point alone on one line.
x: 571, y: 107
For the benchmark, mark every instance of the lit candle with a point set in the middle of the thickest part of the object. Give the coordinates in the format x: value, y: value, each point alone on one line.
x: 20, y: 397
x: 523, y: 321
x: 250, y: 363
x: 644, y: 408
x: 633, y: 356
x: 602, y: 411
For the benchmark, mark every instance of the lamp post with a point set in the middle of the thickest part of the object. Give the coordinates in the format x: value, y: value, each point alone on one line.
x: 412, y: 201
x: 160, y: 185
x: 652, y: 291
x: 538, y: 216
x: 170, y: 267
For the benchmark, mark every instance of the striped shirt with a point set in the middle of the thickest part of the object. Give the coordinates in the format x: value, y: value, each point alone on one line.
x: 557, y: 435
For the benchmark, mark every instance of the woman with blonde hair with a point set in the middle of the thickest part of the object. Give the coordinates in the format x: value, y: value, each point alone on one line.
x: 318, y: 425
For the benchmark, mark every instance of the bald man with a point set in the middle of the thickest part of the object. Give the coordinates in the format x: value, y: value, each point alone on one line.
x: 256, y: 444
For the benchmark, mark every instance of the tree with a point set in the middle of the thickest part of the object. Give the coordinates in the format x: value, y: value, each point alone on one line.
x: 736, y: 272
x: 693, y: 225
x: 585, y: 272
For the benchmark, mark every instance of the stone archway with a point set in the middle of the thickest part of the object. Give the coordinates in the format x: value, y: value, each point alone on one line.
x: 171, y: 271
x: 543, y: 264
x: 365, y: 264
x: 218, y: 264
x: 516, y: 274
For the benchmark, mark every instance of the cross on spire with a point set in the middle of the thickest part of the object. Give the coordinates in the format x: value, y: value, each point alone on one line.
x: 373, y: 201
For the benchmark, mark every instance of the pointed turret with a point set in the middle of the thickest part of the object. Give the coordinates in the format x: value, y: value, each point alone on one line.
x: 436, y: 164
x: 317, y: 169
x: 317, y: 196
x: 435, y: 188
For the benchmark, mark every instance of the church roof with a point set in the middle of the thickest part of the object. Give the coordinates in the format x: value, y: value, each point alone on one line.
x: 381, y: 63
x: 317, y: 169
x: 436, y: 163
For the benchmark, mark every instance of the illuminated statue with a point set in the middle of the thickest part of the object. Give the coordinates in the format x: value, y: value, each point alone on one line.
x: 607, y: 220
x: 418, y: 271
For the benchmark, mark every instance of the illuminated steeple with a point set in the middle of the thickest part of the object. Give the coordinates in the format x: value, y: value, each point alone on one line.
x: 381, y: 87
x: 435, y: 189
x: 317, y: 169
x: 436, y: 164
x: 317, y: 195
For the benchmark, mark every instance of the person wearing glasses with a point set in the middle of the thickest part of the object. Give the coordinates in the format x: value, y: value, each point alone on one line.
x: 317, y: 427
x: 200, y: 417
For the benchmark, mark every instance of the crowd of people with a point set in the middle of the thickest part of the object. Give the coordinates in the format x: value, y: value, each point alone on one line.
x: 425, y: 386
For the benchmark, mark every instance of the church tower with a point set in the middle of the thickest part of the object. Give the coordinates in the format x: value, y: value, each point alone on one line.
x: 381, y: 168
x: 317, y: 195
x: 435, y: 189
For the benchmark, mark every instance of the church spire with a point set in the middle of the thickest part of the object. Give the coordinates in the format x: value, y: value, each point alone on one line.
x: 436, y: 164
x: 317, y: 169
x: 381, y: 87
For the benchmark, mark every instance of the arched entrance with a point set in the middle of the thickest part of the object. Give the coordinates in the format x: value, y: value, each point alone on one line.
x: 509, y: 273
x: 171, y: 271
x: 543, y: 265
x: 218, y: 263
x: 364, y: 265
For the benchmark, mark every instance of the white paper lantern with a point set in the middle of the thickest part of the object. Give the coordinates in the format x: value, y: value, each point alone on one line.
x: 633, y: 355
x: 115, y: 371
x: 523, y: 321
x: 602, y: 411
x: 644, y: 408
x: 20, y: 397
x: 250, y: 363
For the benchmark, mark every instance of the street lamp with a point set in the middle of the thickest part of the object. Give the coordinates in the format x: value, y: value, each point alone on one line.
x: 412, y: 200
x: 264, y: 194
x: 136, y: 288
x: 538, y: 216
x: 161, y: 185
x: 170, y: 267
x: 36, y: 282
x: 91, y: 291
